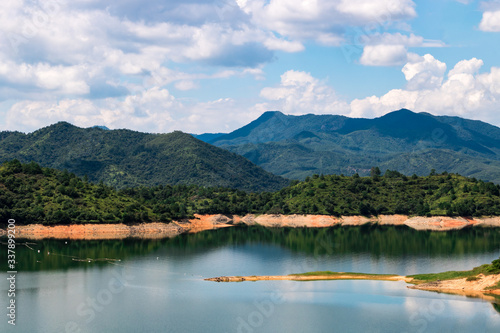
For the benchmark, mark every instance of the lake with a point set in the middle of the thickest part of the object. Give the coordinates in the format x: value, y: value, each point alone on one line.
x: 157, y: 285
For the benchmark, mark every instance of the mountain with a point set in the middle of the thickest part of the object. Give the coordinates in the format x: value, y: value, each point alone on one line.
x: 298, y: 146
x: 101, y: 127
x: 206, y: 137
x: 124, y: 158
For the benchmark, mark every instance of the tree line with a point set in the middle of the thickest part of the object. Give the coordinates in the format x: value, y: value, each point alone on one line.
x: 32, y: 194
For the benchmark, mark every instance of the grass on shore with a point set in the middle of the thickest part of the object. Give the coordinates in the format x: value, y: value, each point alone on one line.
x: 487, y: 269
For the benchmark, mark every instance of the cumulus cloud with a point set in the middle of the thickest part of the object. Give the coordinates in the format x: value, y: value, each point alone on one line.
x: 490, y: 21
x: 465, y: 92
x: 141, y: 110
x: 424, y: 72
x: 300, y: 93
x: 116, y: 62
x: 491, y: 16
x: 119, y: 40
x: 153, y: 110
x: 324, y: 21
x: 70, y: 80
x: 384, y: 55
x: 391, y: 49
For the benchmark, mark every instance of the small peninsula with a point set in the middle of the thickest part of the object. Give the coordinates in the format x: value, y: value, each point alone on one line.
x: 479, y: 282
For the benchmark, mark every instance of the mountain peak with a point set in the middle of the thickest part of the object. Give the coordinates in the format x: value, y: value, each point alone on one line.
x: 402, y: 113
x: 272, y: 113
x: 251, y: 127
x: 101, y: 127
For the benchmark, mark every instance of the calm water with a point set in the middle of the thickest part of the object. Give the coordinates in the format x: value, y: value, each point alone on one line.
x: 157, y: 285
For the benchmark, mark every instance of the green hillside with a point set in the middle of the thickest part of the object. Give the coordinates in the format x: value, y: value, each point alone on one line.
x: 31, y: 194
x: 299, y: 146
x: 124, y: 158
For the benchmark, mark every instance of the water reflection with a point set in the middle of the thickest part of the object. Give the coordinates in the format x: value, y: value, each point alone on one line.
x: 378, y: 241
x: 166, y: 286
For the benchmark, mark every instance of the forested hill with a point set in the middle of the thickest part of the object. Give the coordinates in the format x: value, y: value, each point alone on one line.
x: 31, y: 194
x: 298, y: 146
x: 124, y: 158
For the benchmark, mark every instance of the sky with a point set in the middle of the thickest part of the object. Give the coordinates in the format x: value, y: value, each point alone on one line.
x: 215, y: 65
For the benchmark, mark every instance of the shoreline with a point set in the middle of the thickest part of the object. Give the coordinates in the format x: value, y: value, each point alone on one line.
x: 315, y: 277
x: 155, y: 230
x: 462, y: 286
x: 477, y: 288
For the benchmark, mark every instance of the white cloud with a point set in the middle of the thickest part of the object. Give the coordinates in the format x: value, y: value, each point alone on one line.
x: 393, y: 39
x: 465, y: 92
x: 153, y: 110
x: 424, y: 72
x: 384, y: 55
x: 150, y: 110
x: 374, y: 106
x: 115, y: 62
x: 469, y: 67
x: 186, y: 85
x: 113, y: 42
x: 324, y: 21
x: 300, y: 93
x: 490, y: 21
x: 391, y: 49
x: 378, y: 9
x: 70, y: 80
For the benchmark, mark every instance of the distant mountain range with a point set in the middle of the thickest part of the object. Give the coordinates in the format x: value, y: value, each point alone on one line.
x: 124, y: 158
x: 298, y: 146
x: 293, y: 147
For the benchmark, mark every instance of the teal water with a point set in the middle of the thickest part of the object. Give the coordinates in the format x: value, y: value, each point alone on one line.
x: 157, y: 286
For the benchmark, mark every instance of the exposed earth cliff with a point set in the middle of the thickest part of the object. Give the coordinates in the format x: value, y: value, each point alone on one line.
x: 207, y: 222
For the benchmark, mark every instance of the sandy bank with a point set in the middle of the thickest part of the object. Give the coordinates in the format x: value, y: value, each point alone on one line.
x: 476, y: 288
x: 215, y: 221
x: 462, y: 286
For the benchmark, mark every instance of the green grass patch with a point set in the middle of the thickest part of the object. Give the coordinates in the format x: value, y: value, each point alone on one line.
x: 329, y: 273
x: 473, y: 278
x: 486, y: 269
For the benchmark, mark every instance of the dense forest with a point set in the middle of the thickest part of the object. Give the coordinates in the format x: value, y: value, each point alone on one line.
x: 124, y: 158
x: 32, y: 194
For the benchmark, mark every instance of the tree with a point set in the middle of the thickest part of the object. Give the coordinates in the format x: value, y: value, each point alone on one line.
x: 375, y: 172
x: 32, y: 168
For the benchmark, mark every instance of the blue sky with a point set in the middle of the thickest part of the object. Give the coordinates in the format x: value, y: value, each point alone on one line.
x: 215, y: 65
